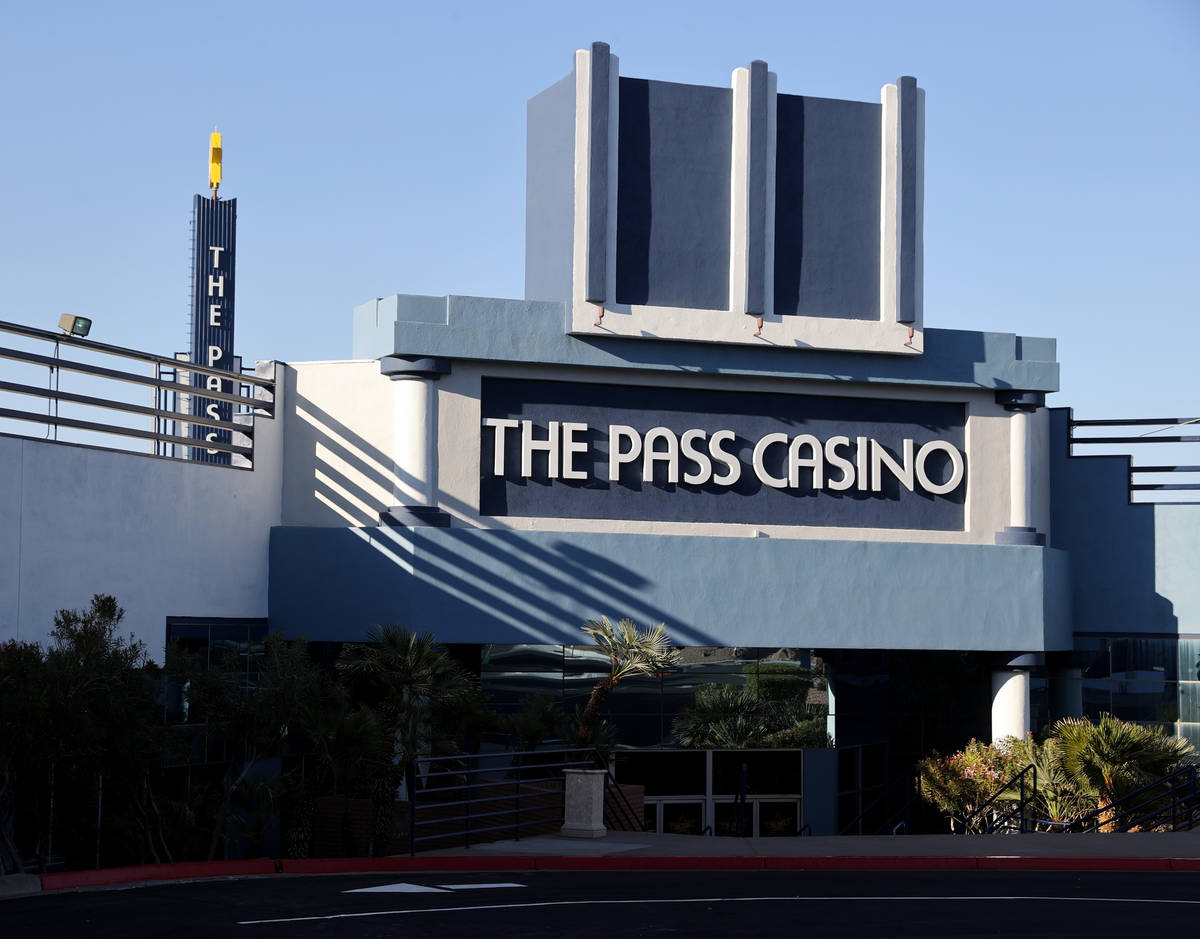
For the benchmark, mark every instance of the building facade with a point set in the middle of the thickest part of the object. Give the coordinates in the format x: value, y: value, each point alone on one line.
x: 718, y: 407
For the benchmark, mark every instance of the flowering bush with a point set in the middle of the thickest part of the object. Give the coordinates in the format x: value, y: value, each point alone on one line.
x: 961, y: 783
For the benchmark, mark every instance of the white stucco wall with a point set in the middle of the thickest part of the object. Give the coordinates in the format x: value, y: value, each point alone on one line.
x: 165, y: 537
x: 340, y: 470
x: 338, y: 432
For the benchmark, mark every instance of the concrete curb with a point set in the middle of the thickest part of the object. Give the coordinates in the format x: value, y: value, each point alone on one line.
x: 200, y: 870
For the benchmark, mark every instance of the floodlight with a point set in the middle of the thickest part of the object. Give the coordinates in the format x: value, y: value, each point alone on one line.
x: 74, y: 325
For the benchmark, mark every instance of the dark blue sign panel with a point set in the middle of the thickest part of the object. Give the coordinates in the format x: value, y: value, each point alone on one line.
x: 214, y: 248
x: 574, y: 450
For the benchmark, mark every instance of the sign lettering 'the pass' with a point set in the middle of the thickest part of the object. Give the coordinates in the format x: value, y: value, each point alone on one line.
x: 214, y: 251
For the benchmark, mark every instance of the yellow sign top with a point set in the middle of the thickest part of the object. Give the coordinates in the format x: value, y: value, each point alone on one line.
x: 214, y: 162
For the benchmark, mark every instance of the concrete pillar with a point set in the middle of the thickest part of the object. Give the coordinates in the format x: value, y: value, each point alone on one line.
x: 583, y: 803
x: 415, y: 446
x: 1066, y: 693
x: 1020, y: 530
x: 1010, y: 703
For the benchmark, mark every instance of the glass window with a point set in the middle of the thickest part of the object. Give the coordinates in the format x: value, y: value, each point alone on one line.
x: 506, y: 690
x: 638, y: 694
x: 639, y: 730
x: 1097, y: 698
x: 1091, y: 655
x: 1188, y: 658
x: 663, y: 772
x: 717, y: 659
x: 1189, y: 701
x: 1138, y: 659
x: 683, y: 818
x: 727, y: 822
x: 521, y: 658
x: 577, y: 689
x: 577, y: 659
x: 1155, y: 701
x: 778, y: 819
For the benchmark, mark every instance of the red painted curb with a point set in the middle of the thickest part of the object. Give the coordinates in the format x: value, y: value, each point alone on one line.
x: 882, y: 863
x: 349, y: 865
x: 648, y: 863
x: 1074, y: 864
x: 1184, y: 863
x: 186, y: 870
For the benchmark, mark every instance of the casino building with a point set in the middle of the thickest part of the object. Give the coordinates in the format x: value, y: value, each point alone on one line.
x: 718, y: 406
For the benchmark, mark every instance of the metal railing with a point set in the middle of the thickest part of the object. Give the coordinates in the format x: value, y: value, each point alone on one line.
x: 897, y: 819
x: 1179, y: 477
x: 166, y: 396
x: 1173, y: 799
x: 453, y: 797
x: 1018, y: 816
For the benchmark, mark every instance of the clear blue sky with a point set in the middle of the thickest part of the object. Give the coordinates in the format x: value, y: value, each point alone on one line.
x: 379, y: 148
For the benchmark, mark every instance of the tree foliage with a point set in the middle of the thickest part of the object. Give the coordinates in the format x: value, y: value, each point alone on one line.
x: 1082, y: 767
x: 630, y: 652
x: 741, y: 717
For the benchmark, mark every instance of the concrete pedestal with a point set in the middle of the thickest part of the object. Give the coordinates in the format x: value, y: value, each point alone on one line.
x: 583, y: 804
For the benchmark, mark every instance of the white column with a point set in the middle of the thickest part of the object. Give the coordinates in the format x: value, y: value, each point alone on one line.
x: 1019, y: 469
x: 414, y: 451
x: 1010, y: 703
x: 415, y: 444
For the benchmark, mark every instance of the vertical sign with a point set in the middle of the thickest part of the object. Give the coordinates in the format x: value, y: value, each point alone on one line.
x: 213, y: 252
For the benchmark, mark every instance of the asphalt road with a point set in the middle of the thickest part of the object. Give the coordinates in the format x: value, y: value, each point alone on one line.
x: 629, y: 904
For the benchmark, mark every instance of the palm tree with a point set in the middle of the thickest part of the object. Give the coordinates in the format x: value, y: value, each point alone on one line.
x: 1112, y: 758
x: 406, y: 677
x: 630, y: 652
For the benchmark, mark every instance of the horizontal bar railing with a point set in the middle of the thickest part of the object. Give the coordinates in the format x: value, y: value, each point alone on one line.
x: 33, y: 332
x: 122, y: 431
x: 1138, y: 473
x: 128, y: 406
x: 174, y: 432
x: 490, y: 779
x: 99, y: 371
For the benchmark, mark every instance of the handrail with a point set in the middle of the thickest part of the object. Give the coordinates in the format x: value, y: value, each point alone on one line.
x: 1154, y: 793
x: 912, y: 774
x: 1022, y: 802
x: 32, y: 332
x: 175, y: 432
x: 511, y: 777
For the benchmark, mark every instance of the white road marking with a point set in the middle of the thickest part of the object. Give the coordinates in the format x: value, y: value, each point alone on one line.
x: 647, y: 902
x: 421, y: 888
x: 397, y: 888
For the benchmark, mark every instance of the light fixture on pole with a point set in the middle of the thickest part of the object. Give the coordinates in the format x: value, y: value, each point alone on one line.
x: 74, y: 325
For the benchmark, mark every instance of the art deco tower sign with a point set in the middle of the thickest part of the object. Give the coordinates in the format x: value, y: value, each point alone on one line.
x: 214, y: 250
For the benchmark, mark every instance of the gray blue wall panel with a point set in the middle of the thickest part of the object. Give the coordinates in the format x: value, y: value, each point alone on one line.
x: 550, y: 192
x: 673, y: 194
x: 475, y: 585
x: 827, y: 207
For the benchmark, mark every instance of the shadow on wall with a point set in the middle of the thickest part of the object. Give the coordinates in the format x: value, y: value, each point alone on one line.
x: 1111, y: 542
x: 332, y: 583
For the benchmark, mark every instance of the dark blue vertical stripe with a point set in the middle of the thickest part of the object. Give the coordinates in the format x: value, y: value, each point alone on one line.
x: 907, y: 265
x: 597, y: 192
x: 756, y: 202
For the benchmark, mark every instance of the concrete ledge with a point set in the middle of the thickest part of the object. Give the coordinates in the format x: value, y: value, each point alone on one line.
x: 20, y: 885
